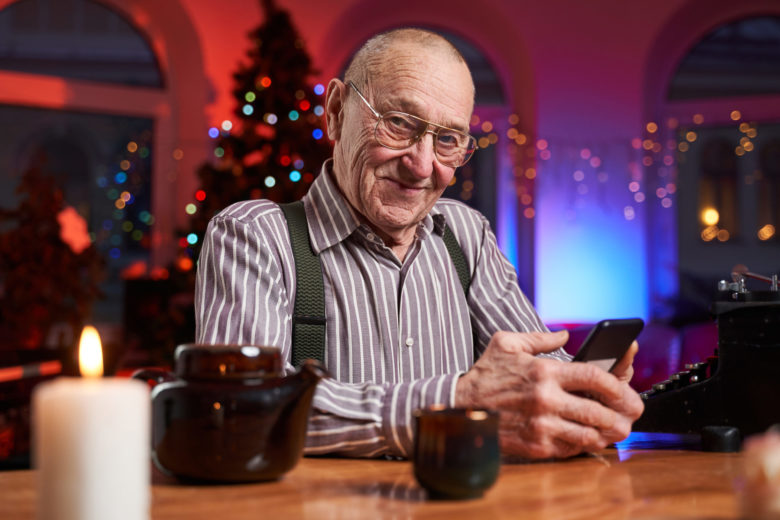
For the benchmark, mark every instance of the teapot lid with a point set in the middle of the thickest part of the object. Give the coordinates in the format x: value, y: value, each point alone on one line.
x: 201, y: 361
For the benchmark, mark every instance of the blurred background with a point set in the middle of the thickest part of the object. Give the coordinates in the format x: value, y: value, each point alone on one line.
x: 630, y: 151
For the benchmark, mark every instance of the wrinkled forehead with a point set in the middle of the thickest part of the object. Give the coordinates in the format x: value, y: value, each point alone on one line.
x: 426, y: 71
x: 415, y: 59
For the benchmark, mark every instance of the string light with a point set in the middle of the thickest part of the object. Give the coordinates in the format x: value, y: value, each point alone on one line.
x: 766, y: 232
x: 710, y: 216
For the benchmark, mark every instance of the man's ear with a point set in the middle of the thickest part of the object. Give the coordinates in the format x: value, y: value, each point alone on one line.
x: 334, y: 106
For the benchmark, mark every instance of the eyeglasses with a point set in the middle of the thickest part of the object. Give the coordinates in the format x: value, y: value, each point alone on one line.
x: 399, y: 130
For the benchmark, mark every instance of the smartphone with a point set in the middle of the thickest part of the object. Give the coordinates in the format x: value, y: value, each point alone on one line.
x: 608, y: 341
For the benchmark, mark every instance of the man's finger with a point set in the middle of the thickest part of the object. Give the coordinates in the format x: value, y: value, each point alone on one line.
x: 624, y: 368
x: 590, y: 379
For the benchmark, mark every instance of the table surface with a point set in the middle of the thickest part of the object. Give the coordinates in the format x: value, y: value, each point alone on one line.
x: 616, y: 484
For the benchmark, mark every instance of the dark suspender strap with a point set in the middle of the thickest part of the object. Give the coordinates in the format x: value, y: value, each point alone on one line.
x: 308, y: 322
x: 458, y: 258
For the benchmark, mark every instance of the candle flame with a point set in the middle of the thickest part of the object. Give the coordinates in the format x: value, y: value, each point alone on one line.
x: 90, y: 353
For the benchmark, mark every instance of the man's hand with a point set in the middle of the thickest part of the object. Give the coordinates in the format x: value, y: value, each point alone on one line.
x: 543, y: 413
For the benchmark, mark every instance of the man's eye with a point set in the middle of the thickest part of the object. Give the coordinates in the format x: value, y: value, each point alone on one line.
x: 448, y: 139
x: 400, y: 123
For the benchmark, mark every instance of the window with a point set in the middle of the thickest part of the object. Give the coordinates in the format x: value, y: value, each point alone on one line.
x: 721, y: 112
x: 76, y: 67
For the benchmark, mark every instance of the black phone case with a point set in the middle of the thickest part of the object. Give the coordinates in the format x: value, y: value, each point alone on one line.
x: 609, y: 340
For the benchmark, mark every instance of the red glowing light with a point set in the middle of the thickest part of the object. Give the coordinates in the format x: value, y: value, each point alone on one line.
x: 304, y: 105
x: 266, y: 82
x: 285, y: 160
x: 184, y: 264
x: 308, y: 177
x: 200, y: 195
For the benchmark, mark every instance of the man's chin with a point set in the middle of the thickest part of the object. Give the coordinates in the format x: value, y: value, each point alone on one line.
x: 394, y: 220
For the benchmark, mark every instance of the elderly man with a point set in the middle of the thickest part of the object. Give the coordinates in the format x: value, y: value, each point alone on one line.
x: 401, y: 333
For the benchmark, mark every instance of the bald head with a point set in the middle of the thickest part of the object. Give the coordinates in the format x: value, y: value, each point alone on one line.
x: 370, y: 60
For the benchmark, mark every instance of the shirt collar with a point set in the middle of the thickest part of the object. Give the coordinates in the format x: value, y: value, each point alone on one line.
x: 331, y: 218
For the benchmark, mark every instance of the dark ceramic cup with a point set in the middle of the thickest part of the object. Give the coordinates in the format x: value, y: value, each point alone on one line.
x: 456, y: 451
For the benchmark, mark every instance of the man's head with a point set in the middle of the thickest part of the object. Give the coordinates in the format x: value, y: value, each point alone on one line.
x: 405, y: 70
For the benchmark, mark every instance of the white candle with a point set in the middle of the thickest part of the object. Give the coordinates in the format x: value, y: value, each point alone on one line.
x: 92, y: 444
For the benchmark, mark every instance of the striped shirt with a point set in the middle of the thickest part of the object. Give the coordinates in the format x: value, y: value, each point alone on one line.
x: 399, y: 334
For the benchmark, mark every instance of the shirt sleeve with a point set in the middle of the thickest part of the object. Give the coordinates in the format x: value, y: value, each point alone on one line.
x: 496, y: 301
x: 244, y: 294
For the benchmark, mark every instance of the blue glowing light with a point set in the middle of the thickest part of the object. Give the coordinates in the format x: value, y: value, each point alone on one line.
x: 115, y: 253
x: 120, y: 177
x: 295, y: 175
x: 318, y: 110
x: 298, y: 163
x: 591, y: 262
x: 192, y: 238
x: 319, y: 89
x: 108, y: 224
x: 213, y: 132
x: 293, y: 115
x: 102, y: 182
x: 248, y: 109
x: 317, y: 133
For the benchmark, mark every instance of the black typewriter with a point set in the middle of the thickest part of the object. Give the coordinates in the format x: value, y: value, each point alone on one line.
x: 738, y: 386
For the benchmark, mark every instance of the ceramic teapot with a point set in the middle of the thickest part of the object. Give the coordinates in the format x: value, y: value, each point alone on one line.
x: 228, y: 413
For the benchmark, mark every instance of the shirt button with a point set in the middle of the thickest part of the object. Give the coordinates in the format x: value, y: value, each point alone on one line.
x: 370, y: 237
x: 409, y: 342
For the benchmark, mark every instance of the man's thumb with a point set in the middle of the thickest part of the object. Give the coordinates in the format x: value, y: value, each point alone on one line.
x: 544, y: 342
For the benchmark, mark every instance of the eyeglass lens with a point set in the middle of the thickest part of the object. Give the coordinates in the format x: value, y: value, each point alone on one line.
x: 398, y: 130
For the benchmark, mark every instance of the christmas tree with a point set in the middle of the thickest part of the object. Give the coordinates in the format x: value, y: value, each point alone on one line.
x: 49, y: 269
x: 277, y: 144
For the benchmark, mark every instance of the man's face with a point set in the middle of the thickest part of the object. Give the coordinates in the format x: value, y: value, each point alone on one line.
x: 395, y: 189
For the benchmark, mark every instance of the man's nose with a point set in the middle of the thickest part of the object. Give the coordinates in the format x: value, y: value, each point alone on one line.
x: 421, y: 155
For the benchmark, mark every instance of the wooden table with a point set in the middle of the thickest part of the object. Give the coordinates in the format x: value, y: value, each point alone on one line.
x: 635, y: 483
